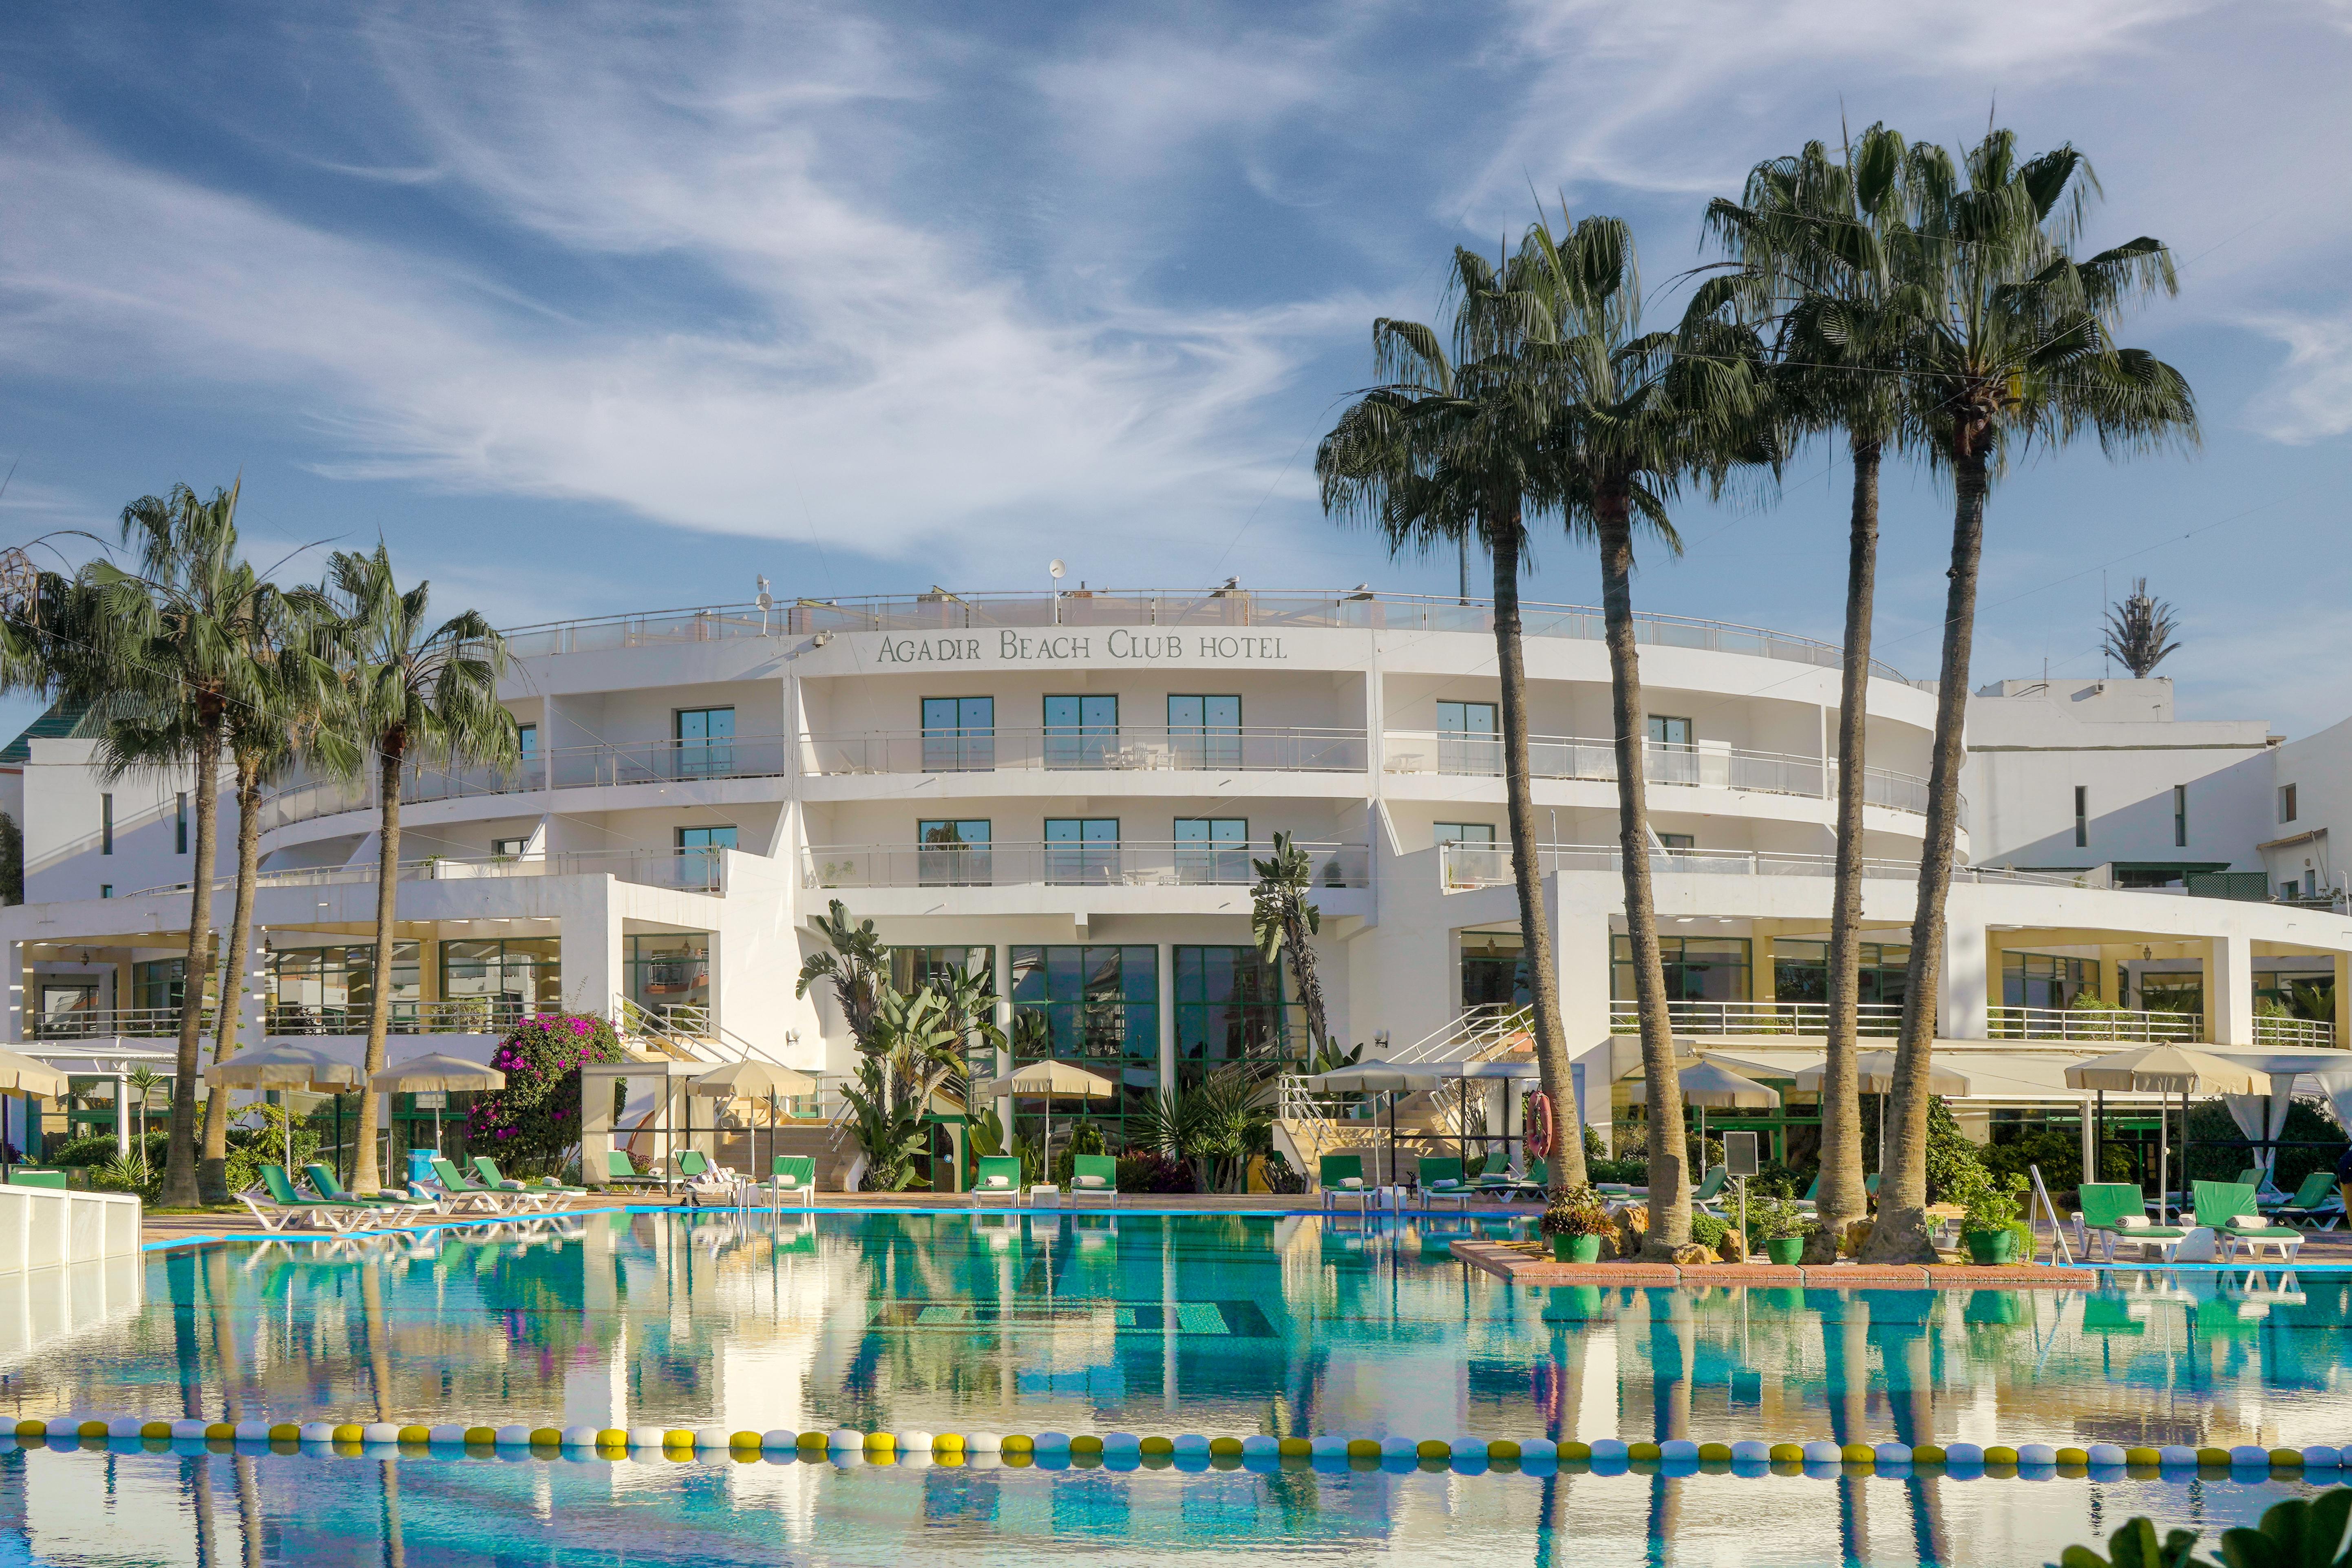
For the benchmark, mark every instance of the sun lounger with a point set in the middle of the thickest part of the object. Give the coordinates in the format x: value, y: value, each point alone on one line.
x: 281, y: 1204
x: 493, y: 1200
x: 1531, y: 1184
x: 1094, y: 1176
x: 1704, y: 1195
x: 487, y: 1169
x: 1441, y: 1181
x: 794, y: 1177
x: 705, y: 1180
x: 2317, y: 1203
x: 1341, y: 1178
x: 2113, y: 1214
x: 327, y: 1185
x: 997, y: 1178
x: 2227, y: 1209
x: 620, y: 1171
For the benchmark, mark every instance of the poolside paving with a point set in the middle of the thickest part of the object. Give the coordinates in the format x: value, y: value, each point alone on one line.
x: 1521, y: 1264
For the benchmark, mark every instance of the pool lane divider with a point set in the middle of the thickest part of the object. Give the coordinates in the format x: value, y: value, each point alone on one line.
x: 2321, y: 1462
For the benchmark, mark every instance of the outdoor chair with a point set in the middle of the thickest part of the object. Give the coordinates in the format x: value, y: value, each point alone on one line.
x: 489, y: 1200
x: 704, y: 1180
x: 2114, y: 1213
x: 794, y: 1176
x: 2317, y: 1203
x: 997, y: 1176
x: 487, y: 1169
x: 1705, y: 1195
x: 1510, y: 1185
x: 2227, y: 1209
x: 281, y: 1203
x: 620, y: 1171
x: 327, y: 1185
x: 1441, y: 1181
x: 1342, y: 1176
x: 1094, y: 1176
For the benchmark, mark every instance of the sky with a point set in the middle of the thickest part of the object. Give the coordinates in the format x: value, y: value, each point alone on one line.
x: 587, y: 308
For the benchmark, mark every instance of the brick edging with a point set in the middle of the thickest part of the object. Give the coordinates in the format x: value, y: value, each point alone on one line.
x: 1507, y: 1263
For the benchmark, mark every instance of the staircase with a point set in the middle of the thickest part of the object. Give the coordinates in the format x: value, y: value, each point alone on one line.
x: 1306, y: 1128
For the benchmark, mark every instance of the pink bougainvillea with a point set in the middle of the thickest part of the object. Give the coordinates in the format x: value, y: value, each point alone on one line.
x: 531, y: 1119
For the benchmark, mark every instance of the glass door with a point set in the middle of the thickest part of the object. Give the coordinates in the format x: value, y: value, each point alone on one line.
x: 1082, y: 850
x: 959, y: 734
x: 1467, y: 739
x: 1212, y: 850
x: 1081, y: 731
x: 1205, y: 731
x: 706, y: 739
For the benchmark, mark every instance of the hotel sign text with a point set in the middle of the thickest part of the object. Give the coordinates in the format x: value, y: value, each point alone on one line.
x: 1078, y: 648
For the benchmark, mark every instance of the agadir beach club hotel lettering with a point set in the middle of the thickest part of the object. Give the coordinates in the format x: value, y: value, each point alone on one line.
x: 1118, y: 643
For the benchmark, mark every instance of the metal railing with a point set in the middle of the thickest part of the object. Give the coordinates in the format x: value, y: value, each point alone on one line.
x: 98, y: 1022
x: 454, y: 1015
x: 2092, y: 1024
x: 1270, y: 610
x: 1122, y: 863
x: 1710, y: 767
x: 696, y: 870
x: 1466, y: 865
x: 1126, y: 749
x: 1690, y: 1016
x: 2274, y: 1030
x: 563, y: 767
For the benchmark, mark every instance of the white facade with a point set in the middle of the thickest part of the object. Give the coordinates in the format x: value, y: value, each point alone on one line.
x: 1108, y: 763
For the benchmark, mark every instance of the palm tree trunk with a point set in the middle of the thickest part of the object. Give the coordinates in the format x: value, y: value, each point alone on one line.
x: 212, y: 1172
x: 1843, y: 1199
x: 1303, y: 972
x: 1900, y: 1234
x: 1566, y: 1160
x: 1670, y: 1204
x: 366, y: 1171
x: 180, y: 1162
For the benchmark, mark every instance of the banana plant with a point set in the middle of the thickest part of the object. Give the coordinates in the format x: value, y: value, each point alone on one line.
x: 2297, y: 1533
x: 890, y: 1137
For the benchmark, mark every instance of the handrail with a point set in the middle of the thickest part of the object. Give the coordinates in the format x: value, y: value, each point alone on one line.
x: 1125, y: 749
x: 1120, y: 862
x: 691, y: 870
x: 1701, y: 766
x: 2099, y: 1024
x: 1697, y: 1016
x: 1273, y: 608
x: 558, y: 767
x: 1463, y: 866
x: 102, y: 1023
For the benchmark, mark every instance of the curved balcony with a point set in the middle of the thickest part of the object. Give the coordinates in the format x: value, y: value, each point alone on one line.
x: 1464, y: 866
x: 1127, y: 749
x: 1127, y: 863
x: 564, y: 767
x: 1273, y: 610
x: 1700, y: 766
x: 692, y: 870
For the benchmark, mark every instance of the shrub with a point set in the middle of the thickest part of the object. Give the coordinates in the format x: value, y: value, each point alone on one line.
x: 1769, y: 1218
x: 1143, y: 1171
x: 98, y: 1149
x: 1951, y: 1158
x: 2218, y: 1150
x: 532, y: 1121
x: 1708, y: 1231
x: 1579, y: 1213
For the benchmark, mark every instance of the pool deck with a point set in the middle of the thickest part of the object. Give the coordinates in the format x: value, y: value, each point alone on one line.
x: 1522, y: 1266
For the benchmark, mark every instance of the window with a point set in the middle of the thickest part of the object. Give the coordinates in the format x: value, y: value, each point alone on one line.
x: 527, y: 740
x: 1212, y: 850
x: 1096, y: 1003
x: 1670, y: 731
x: 105, y: 827
x: 705, y: 742
x: 1081, y: 731
x: 1801, y: 973
x: 703, y: 840
x: 1081, y: 850
x: 180, y: 825
x: 912, y: 968
x: 508, y: 848
x: 2046, y: 980
x: 669, y: 974
x: 2180, y: 817
x: 2081, y: 817
x: 1467, y: 739
x: 491, y: 985
x: 1232, y: 1006
x: 1463, y: 833
x: 1698, y: 968
x: 330, y: 990
x: 106, y: 890
x: 2287, y: 803
x: 1493, y: 970
x: 1678, y: 840
x: 954, y: 853
x: 959, y: 734
x: 1205, y: 731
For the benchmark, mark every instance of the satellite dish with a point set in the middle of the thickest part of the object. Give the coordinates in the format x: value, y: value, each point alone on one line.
x: 1057, y: 568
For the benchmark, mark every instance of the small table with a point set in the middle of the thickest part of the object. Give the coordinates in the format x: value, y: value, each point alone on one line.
x: 1043, y: 1194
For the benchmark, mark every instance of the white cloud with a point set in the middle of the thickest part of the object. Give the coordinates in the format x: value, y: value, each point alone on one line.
x: 2311, y: 398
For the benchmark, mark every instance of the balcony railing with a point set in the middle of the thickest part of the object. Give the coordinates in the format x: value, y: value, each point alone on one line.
x: 100, y: 1022
x: 691, y: 870
x: 1268, y: 611
x: 2277, y: 1031
x: 1700, y: 1018
x: 1125, y: 749
x: 1566, y: 757
x: 1126, y: 863
x: 564, y: 767
x: 1466, y: 865
x: 456, y: 1016
x: 2094, y: 1025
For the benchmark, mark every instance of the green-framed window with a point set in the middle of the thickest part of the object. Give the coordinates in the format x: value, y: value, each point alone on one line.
x: 668, y: 971
x: 1232, y: 1006
x: 507, y: 977
x: 1698, y: 968
x: 330, y: 989
x: 2046, y: 980
x: 1800, y: 971
x: 1096, y: 1003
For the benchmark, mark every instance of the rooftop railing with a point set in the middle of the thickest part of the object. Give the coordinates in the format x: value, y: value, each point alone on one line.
x: 1270, y: 610
x: 562, y: 767
x: 1123, y: 863
x: 1701, y: 766
x: 1466, y: 865
x: 1127, y: 749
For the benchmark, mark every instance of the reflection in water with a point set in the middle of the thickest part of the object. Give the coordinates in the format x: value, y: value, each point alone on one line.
x: 1102, y: 1322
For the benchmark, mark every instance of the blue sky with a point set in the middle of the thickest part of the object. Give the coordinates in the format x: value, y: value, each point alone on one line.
x: 587, y: 308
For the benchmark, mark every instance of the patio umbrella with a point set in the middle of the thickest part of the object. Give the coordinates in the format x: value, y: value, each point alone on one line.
x: 1706, y: 1083
x: 1874, y: 1073
x: 747, y: 1079
x: 1379, y: 1077
x: 2167, y: 1069
x: 26, y: 1076
x: 436, y: 1073
x: 282, y: 1063
x: 1052, y: 1080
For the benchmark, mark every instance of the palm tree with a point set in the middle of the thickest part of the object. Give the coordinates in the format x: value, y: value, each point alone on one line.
x: 1633, y: 416
x: 2138, y: 630
x: 413, y: 694
x: 288, y: 719
x: 167, y: 662
x: 2019, y: 350
x: 854, y: 961
x: 1811, y: 239
x: 1437, y: 453
x: 1282, y: 919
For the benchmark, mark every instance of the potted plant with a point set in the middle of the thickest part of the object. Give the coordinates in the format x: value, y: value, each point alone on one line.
x: 1781, y: 1227
x: 1994, y: 1208
x: 1576, y: 1221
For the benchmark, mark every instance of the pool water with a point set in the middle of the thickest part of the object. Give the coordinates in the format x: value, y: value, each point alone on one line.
x: 1098, y: 1323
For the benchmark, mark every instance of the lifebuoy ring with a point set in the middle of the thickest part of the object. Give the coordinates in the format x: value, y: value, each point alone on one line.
x: 1539, y: 1128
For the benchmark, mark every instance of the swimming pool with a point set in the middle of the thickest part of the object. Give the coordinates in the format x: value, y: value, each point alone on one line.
x: 1096, y: 1323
